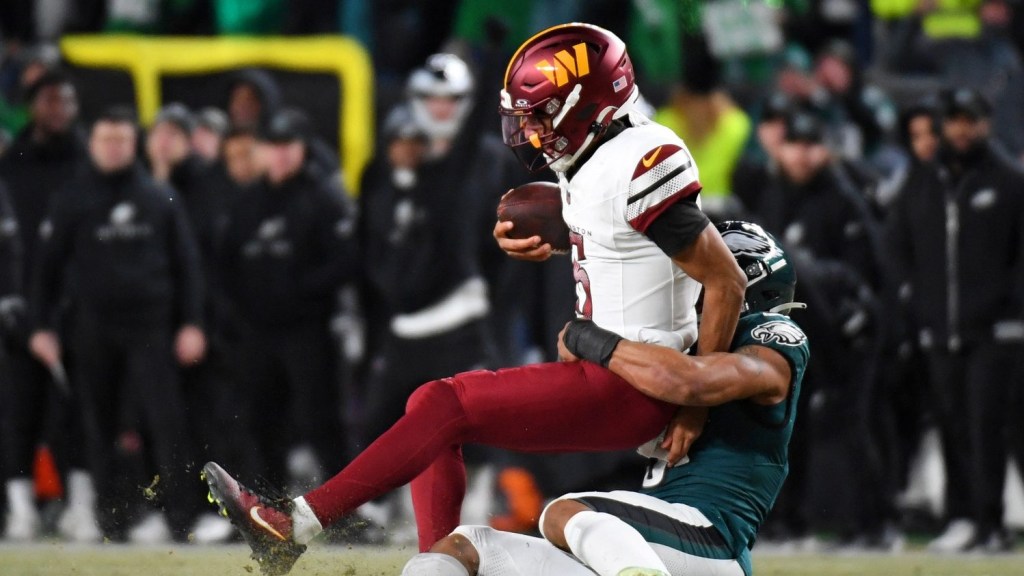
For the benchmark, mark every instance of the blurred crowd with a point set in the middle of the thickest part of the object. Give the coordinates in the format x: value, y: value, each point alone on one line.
x: 204, y: 288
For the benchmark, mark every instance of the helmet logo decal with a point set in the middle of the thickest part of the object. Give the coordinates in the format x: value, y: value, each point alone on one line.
x: 779, y: 332
x: 522, y: 103
x: 743, y: 243
x: 566, y: 65
x: 619, y: 84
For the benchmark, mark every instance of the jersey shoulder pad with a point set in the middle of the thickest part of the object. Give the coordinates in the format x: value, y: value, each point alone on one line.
x: 663, y: 173
x: 776, y: 331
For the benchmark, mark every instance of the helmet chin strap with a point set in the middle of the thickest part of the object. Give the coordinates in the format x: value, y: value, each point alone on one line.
x: 566, y: 162
x: 570, y: 101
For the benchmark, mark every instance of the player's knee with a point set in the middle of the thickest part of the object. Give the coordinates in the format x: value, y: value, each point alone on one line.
x: 464, y: 544
x: 430, y: 394
x: 554, y: 518
x: 435, y: 564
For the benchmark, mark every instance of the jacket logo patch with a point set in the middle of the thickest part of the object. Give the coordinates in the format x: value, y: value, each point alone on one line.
x: 779, y: 332
x: 271, y: 228
x: 8, y: 228
x: 123, y: 225
x: 122, y: 214
x: 983, y: 199
x: 270, y: 240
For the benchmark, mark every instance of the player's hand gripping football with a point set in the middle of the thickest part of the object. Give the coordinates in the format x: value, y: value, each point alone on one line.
x: 530, y: 249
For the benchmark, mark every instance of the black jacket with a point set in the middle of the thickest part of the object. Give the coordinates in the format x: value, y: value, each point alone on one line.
x: 959, y: 242
x: 286, y: 251
x: 33, y: 173
x: 10, y: 248
x: 124, y: 242
x: 828, y: 216
x: 12, y: 300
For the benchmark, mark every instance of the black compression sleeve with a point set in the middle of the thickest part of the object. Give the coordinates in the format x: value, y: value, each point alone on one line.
x: 678, y: 226
x: 590, y: 342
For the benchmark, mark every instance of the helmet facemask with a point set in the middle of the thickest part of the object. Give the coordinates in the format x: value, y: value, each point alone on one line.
x: 531, y: 131
x: 572, y: 78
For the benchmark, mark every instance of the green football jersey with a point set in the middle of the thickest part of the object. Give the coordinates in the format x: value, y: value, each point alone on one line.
x: 738, y: 464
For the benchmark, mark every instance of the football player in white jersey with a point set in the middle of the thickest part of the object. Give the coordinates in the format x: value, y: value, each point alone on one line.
x: 641, y: 247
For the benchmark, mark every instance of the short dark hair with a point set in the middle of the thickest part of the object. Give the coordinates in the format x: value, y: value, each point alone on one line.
x: 119, y: 114
x: 49, y: 78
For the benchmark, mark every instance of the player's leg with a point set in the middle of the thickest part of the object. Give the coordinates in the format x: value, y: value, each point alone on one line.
x: 550, y: 407
x: 484, y: 551
x: 616, y: 531
x: 543, y: 408
x: 437, y: 495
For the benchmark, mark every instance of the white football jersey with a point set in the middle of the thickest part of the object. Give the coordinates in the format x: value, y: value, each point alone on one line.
x: 624, y: 282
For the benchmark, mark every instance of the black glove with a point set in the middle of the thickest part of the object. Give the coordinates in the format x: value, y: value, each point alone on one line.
x: 590, y: 342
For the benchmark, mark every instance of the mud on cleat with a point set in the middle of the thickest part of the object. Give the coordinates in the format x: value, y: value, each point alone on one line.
x: 266, y: 524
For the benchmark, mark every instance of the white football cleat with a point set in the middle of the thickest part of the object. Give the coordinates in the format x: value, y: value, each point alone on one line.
x: 211, y: 529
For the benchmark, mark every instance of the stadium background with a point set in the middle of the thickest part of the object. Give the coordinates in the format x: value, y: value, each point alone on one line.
x: 150, y: 53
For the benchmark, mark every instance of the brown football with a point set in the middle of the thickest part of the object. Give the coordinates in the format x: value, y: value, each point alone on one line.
x: 536, y: 210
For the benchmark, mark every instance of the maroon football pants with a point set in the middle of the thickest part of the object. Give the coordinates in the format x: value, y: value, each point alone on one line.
x: 557, y: 407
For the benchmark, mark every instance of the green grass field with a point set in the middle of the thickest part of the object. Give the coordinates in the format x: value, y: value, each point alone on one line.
x: 63, y: 560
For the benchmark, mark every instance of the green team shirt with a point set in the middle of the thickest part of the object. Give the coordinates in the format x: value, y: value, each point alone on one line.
x: 738, y: 464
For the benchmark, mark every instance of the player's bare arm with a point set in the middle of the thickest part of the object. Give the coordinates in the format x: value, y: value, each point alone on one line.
x: 709, y: 261
x: 757, y: 373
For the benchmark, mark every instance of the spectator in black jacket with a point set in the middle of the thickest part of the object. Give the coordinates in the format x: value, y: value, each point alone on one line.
x: 126, y: 245
x: 957, y: 231
x: 172, y: 161
x: 288, y: 248
x: 22, y: 517
x: 813, y: 204
x: 44, y: 157
x: 12, y: 300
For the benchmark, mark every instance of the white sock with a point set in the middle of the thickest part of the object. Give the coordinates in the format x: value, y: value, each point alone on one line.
x: 608, y: 545
x: 433, y: 564
x: 81, y: 492
x: 21, y: 497
x: 305, y: 525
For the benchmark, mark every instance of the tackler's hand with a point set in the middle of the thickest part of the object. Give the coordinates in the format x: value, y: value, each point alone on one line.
x: 564, y: 355
x: 684, y: 429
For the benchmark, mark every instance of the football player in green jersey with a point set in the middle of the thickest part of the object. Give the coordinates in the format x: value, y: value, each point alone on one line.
x: 701, y: 515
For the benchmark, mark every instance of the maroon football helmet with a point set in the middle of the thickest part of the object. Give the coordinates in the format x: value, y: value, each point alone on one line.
x: 562, y: 89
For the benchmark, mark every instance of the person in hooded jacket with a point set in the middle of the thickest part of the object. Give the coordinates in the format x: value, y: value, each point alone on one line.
x: 254, y: 97
x: 42, y: 159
